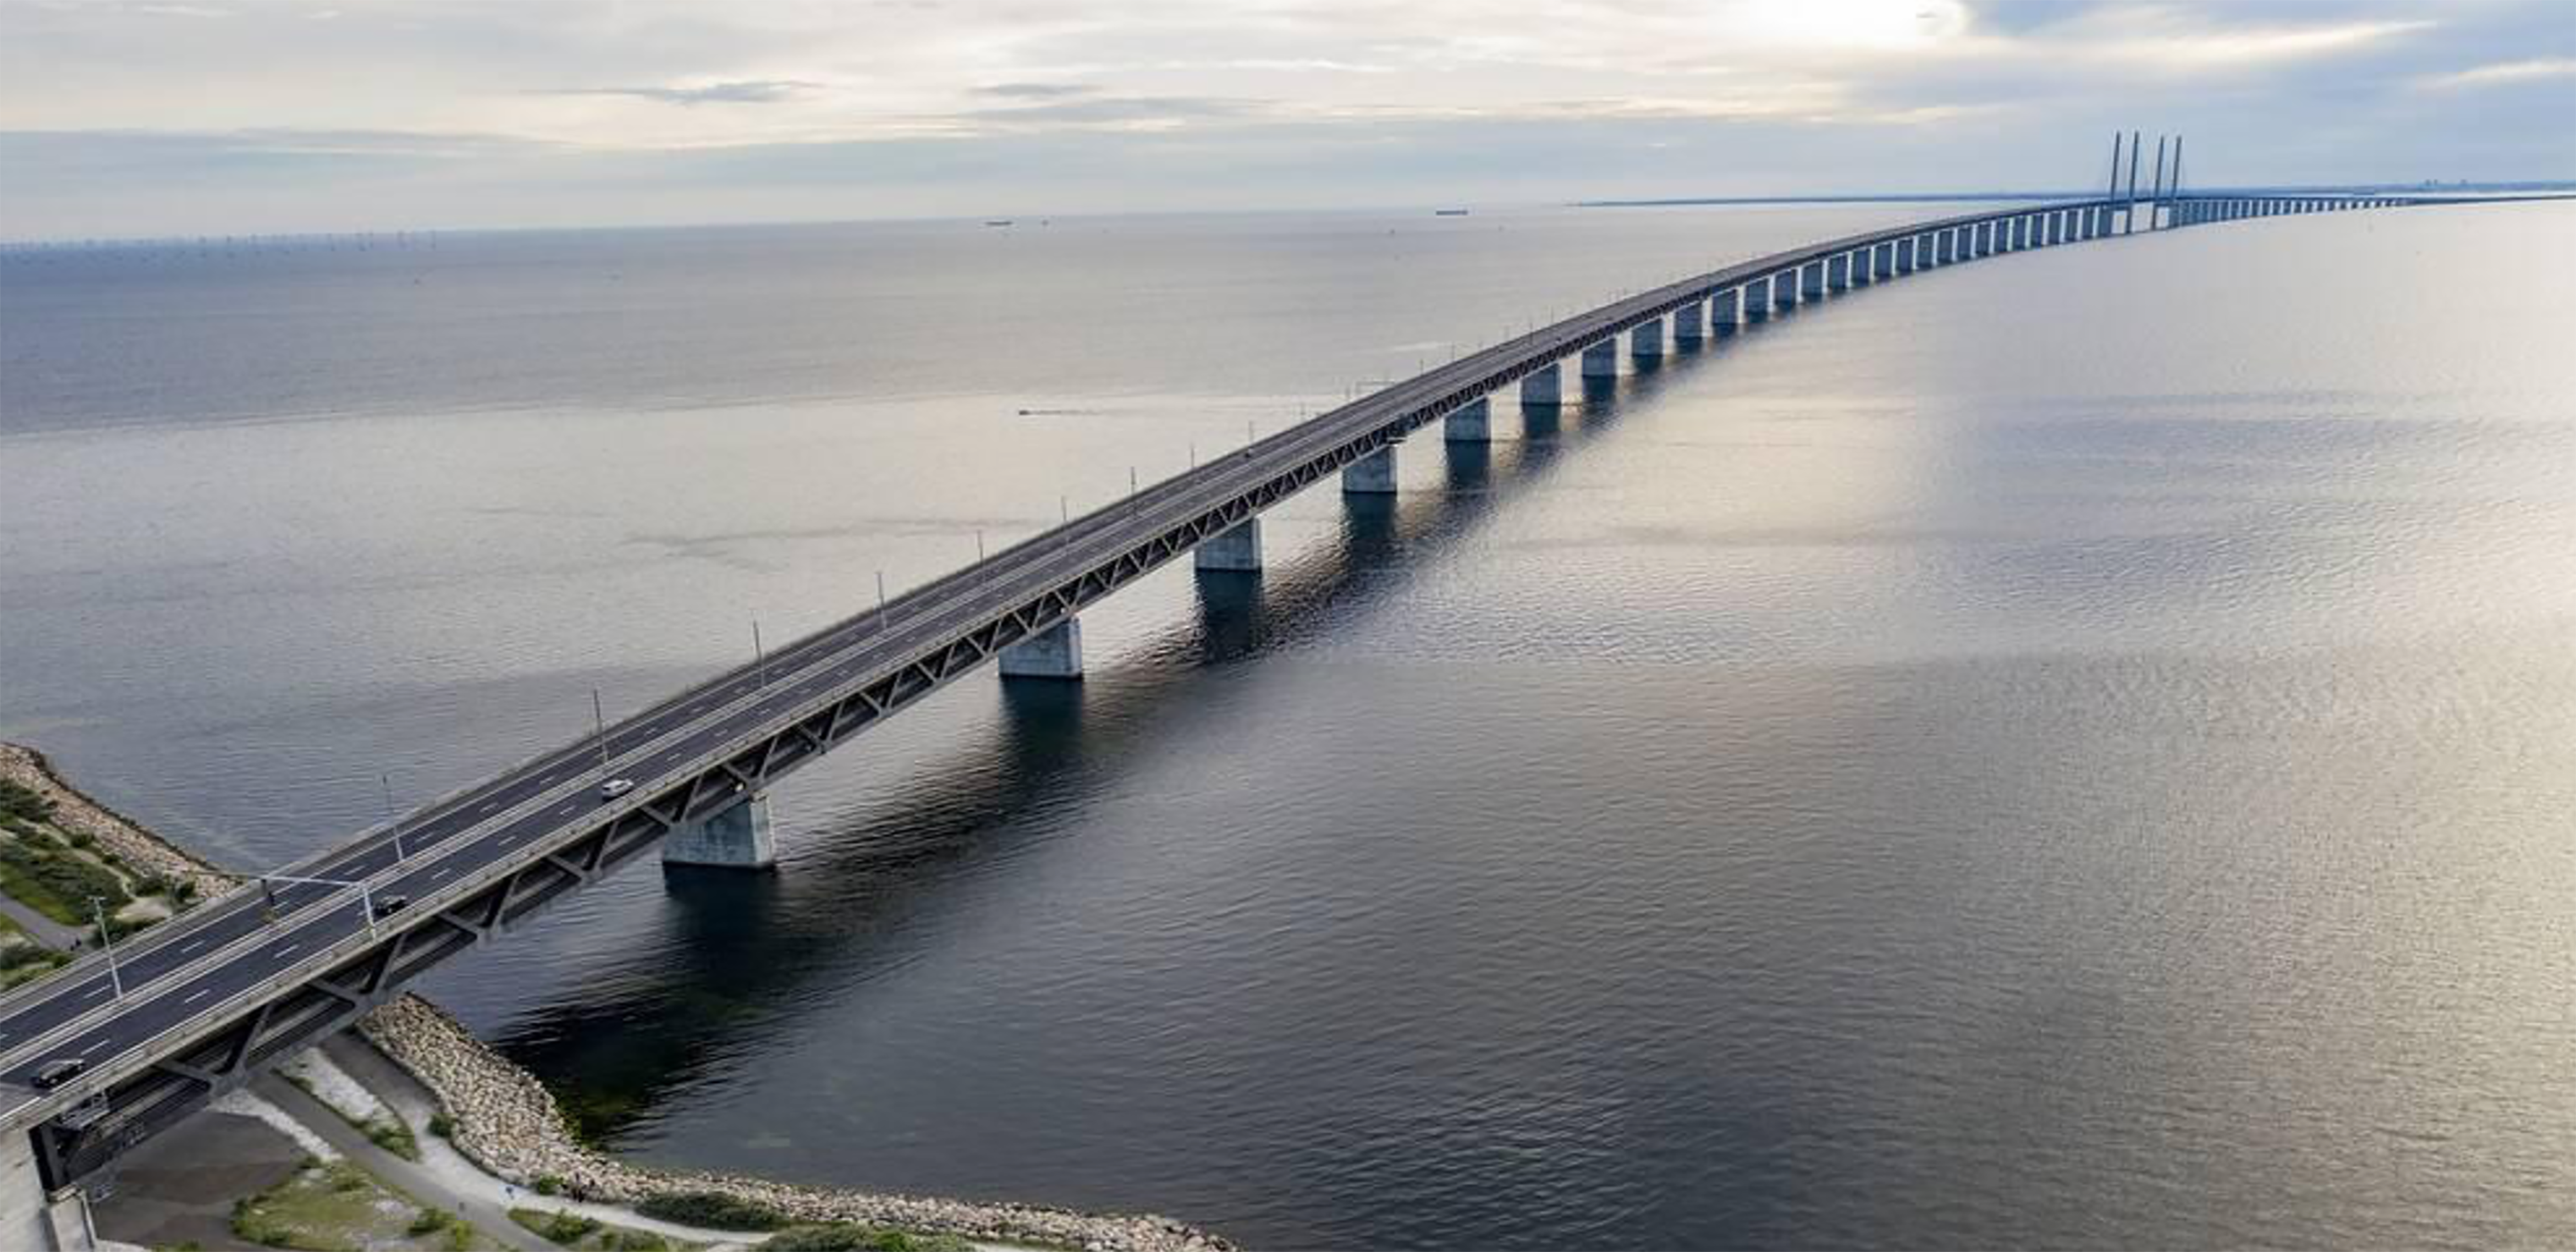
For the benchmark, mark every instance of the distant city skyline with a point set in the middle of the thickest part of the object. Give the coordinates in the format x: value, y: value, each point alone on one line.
x: 269, y: 116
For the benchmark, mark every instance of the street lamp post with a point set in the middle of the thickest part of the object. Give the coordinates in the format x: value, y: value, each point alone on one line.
x: 107, y: 940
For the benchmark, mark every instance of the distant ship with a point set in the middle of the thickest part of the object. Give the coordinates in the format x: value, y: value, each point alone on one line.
x: 1448, y: 212
x: 997, y: 221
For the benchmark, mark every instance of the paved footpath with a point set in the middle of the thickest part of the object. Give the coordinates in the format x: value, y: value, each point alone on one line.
x: 411, y: 1178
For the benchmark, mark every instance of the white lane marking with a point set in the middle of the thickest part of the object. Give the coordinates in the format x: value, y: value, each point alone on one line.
x: 489, y: 807
x: 284, y: 950
x: 98, y: 991
x: 191, y: 946
x: 92, y: 1046
x: 444, y: 871
x: 568, y: 808
x: 196, y: 995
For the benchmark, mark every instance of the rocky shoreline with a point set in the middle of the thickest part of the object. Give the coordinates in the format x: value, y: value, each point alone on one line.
x: 504, y: 1120
x: 117, y: 833
x: 507, y: 1122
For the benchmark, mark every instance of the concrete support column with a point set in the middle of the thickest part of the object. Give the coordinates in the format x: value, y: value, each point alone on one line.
x: 740, y: 837
x: 1544, y: 385
x: 1601, y: 360
x: 1725, y: 310
x: 2021, y: 233
x: 1371, y: 475
x: 1811, y: 281
x: 1905, y: 255
x: 1944, y: 244
x: 1757, y: 300
x: 1235, y: 551
x: 32, y: 1219
x: 1472, y: 422
x: 1784, y: 290
x: 1860, y: 262
x: 1838, y: 272
x: 1690, y: 323
x: 1646, y: 340
x: 1055, y: 652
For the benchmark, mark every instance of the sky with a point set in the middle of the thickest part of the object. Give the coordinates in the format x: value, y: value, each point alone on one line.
x: 123, y: 118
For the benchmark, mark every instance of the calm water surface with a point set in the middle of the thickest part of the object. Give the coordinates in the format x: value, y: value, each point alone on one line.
x: 2077, y: 750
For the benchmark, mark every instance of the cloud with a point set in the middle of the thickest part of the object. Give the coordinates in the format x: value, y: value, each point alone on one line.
x: 2501, y: 74
x: 750, y: 91
x: 1036, y: 91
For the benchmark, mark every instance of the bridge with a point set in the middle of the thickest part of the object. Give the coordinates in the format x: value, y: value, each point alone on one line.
x: 163, y: 1023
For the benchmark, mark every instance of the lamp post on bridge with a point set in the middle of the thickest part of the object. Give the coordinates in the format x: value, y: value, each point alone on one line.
x: 107, y: 940
x: 386, y: 782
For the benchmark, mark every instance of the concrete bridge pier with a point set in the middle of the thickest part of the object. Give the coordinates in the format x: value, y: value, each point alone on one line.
x: 1689, y: 324
x: 1725, y: 311
x: 1811, y: 281
x: 1472, y: 422
x: 1904, y: 255
x: 1838, y: 272
x: 740, y: 837
x: 1784, y: 290
x: 1235, y: 551
x: 1601, y: 360
x: 1646, y: 341
x: 1544, y: 385
x: 1371, y: 475
x: 31, y: 1218
x: 1055, y: 652
x: 1757, y: 300
x: 1945, y: 247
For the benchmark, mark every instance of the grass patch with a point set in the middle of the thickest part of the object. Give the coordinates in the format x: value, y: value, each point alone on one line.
x: 393, y: 1135
x: 855, y: 1237
x: 23, y: 804
x: 559, y: 1226
x: 58, y: 884
x: 588, y: 1234
x: 337, y: 1207
x: 712, y: 1209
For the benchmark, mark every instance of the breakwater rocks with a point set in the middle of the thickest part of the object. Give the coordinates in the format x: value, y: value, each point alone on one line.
x: 507, y: 1122
x: 139, y: 848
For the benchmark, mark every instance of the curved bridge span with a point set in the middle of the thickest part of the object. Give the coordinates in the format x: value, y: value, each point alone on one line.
x: 200, y: 1003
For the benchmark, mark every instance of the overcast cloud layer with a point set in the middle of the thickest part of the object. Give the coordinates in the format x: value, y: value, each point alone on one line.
x: 143, y: 117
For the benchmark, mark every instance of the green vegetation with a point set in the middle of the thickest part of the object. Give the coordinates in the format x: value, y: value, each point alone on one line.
x: 58, y: 884
x: 440, y: 1126
x: 586, y: 1234
x: 854, y: 1237
x: 548, y: 1184
x: 713, y: 1209
x: 337, y: 1207
x: 25, y: 961
x: 559, y: 1226
x: 392, y: 1134
x: 21, y: 804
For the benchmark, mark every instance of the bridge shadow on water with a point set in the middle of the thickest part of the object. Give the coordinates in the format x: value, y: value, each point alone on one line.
x: 726, y: 976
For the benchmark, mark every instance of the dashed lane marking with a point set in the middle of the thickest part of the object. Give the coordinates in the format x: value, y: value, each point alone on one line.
x: 196, y: 995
